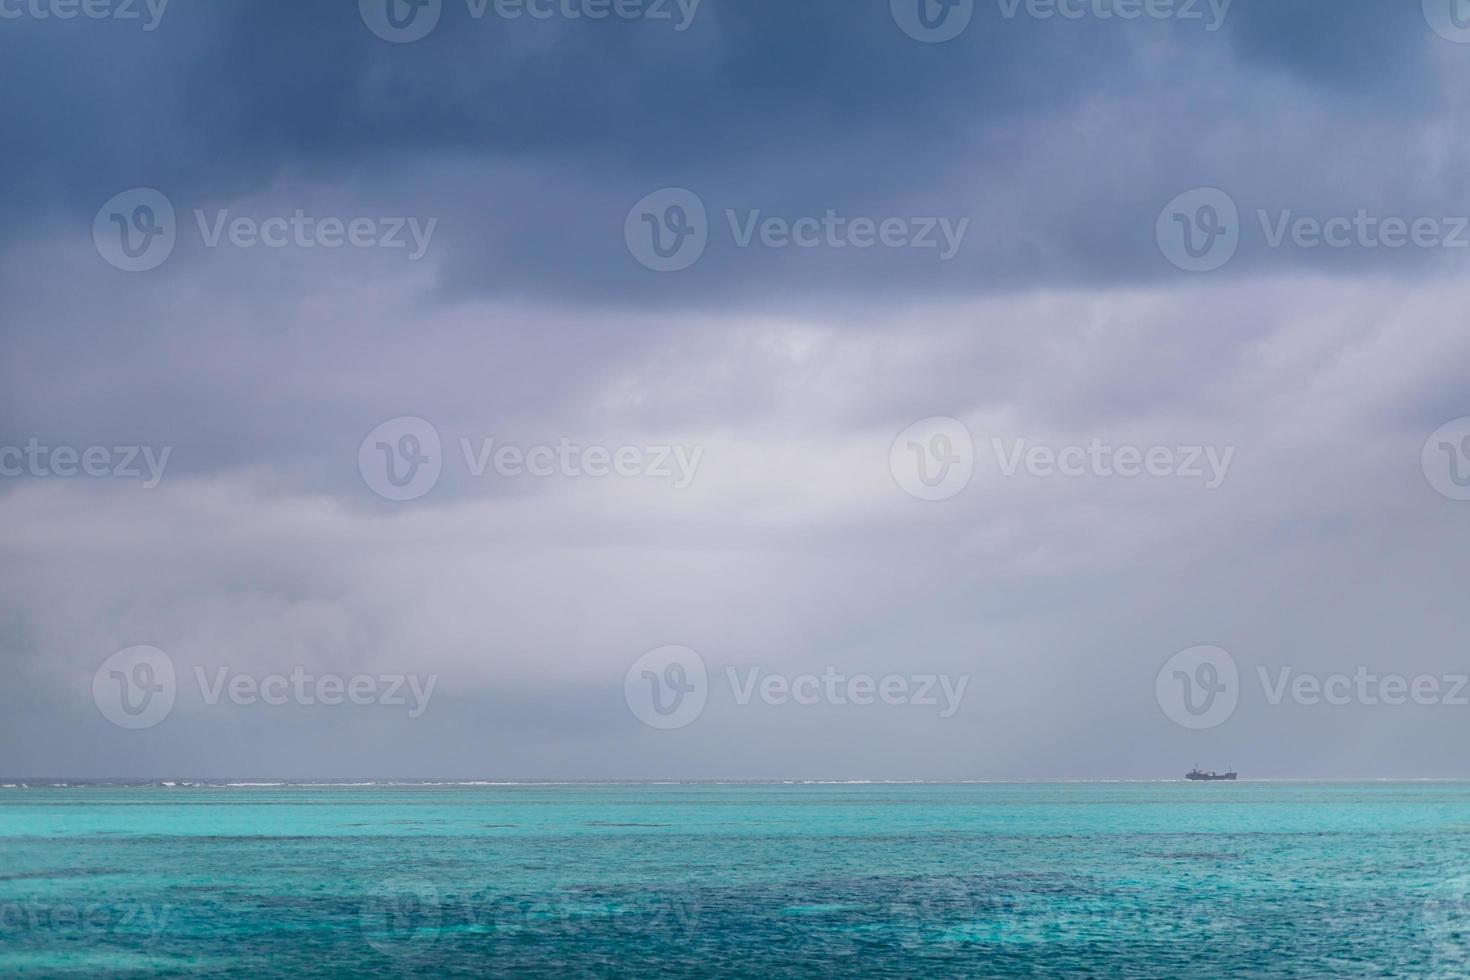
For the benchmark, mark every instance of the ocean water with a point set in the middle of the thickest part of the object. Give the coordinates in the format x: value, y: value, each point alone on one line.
x: 1059, y: 880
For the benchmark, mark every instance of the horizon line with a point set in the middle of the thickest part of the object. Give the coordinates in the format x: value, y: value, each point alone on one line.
x: 36, y: 782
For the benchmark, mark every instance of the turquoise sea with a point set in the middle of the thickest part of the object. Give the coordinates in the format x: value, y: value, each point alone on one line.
x: 1254, y: 879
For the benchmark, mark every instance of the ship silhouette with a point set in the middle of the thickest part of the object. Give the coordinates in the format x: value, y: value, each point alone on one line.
x: 1199, y: 774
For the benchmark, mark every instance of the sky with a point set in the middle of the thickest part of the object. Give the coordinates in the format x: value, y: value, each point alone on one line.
x: 741, y: 389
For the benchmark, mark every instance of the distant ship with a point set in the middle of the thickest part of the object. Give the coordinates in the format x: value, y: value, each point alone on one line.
x: 1210, y: 777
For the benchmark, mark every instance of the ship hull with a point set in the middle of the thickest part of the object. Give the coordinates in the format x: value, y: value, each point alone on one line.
x: 1210, y: 777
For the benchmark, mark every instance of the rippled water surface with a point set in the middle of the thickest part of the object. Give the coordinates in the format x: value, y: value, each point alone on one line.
x: 1116, y: 880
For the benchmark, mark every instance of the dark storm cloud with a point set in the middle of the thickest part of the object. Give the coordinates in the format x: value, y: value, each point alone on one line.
x: 532, y: 139
x: 236, y: 90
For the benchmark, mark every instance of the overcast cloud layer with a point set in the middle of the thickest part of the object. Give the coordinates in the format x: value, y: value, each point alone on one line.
x: 761, y: 388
